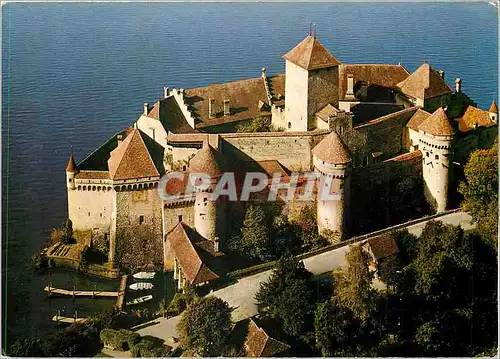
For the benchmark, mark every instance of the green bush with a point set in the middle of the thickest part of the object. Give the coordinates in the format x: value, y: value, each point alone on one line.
x: 149, y: 348
x: 119, y: 339
x: 177, y: 305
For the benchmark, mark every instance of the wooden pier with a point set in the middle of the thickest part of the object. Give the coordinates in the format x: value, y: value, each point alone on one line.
x: 79, y: 293
x: 67, y: 320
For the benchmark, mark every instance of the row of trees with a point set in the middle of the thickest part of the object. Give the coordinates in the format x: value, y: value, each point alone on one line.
x: 267, y: 234
x: 257, y: 124
x: 441, y: 300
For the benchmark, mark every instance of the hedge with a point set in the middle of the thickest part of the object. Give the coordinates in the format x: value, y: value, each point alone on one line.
x: 147, y: 348
x: 119, y: 339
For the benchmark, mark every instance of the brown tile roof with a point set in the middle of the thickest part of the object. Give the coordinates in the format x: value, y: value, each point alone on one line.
x: 383, y: 246
x: 493, y: 107
x: 168, y: 112
x: 311, y: 55
x: 474, y: 116
x: 71, y: 167
x: 437, y: 124
x: 327, y: 111
x: 331, y: 149
x: 84, y: 174
x: 383, y: 75
x: 259, y: 344
x: 418, y: 117
x: 243, y: 96
x: 424, y: 83
x: 131, y: 159
x: 190, y: 262
x: 207, y: 160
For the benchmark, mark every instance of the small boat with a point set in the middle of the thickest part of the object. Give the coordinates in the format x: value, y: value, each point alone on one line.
x: 494, y: 3
x: 140, y: 300
x: 141, y: 286
x: 144, y: 275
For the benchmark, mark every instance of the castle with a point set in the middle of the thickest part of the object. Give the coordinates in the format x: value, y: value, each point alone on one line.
x: 336, y: 119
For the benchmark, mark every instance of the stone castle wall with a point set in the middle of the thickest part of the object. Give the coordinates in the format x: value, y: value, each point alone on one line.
x: 290, y: 149
x: 387, y: 193
x: 323, y: 88
x: 138, y: 242
x: 90, y: 208
x: 387, y: 135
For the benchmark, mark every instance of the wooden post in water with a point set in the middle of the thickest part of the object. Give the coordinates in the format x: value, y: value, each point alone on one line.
x: 76, y: 315
x: 93, y: 289
x: 73, y: 292
x: 50, y: 285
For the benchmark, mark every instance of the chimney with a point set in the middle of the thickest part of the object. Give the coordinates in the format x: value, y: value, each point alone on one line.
x: 166, y: 91
x: 216, y: 244
x: 458, y: 85
x: 441, y: 73
x: 264, y: 73
x: 145, y: 109
x: 211, y: 108
x: 119, y: 138
x: 350, y: 87
x: 227, y: 110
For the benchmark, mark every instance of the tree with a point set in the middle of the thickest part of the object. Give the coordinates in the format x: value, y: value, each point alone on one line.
x: 308, y: 229
x: 287, y: 297
x: 257, y: 124
x: 67, y: 232
x: 205, y: 326
x: 480, y: 190
x: 352, y: 287
x: 255, y: 234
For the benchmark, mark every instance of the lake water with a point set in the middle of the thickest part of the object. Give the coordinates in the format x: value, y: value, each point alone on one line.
x: 73, y: 74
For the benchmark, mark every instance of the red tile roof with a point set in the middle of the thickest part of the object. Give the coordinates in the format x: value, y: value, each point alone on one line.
x: 331, y: 149
x: 207, y: 160
x: 84, y: 174
x: 327, y: 111
x: 493, y: 107
x: 383, y: 246
x: 259, y: 344
x: 437, y: 124
x: 474, y: 116
x: 418, y: 117
x: 131, y: 159
x: 189, y: 260
x: 311, y: 55
x: 71, y: 167
x: 424, y: 83
x: 383, y: 75
x: 243, y: 95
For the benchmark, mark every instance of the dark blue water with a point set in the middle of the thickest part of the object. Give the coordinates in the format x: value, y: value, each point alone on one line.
x: 73, y: 74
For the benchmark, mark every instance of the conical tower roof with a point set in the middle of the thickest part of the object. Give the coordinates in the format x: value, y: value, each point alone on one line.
x: 311, y: 55
x: 331, y: 149
x: 71, y: 167
x: 437, y: 124
x: 208, y: 161
x: 424, y: 83
x: 493, y: 107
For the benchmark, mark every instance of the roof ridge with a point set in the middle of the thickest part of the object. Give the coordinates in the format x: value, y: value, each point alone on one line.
x: 385, y: 117
x: 147, y: 150
x: 103, y: 144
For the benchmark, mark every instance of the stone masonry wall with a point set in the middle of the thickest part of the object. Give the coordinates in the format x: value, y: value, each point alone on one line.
x: 292, y: 150
x: 139, y: 229
x: 323, y: 88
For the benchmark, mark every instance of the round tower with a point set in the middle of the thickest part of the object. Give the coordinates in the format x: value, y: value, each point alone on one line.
x: 332, y: 165
x: 435, y: 141
x: 494, y: 112
x: 71, y: 171
x: 208, y: 214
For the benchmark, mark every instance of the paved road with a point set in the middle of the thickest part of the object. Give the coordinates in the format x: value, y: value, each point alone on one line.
x: 162, y: 328
x: 240, y: 295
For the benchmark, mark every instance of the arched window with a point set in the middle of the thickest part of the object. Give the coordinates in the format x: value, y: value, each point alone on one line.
x: 79, y: 187
x: 93, y: 188
x: 98, y: 188
x: 84, y: 188
x: 289, y: 125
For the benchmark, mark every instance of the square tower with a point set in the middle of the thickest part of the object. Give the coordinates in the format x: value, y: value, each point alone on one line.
x: 312, y: 81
